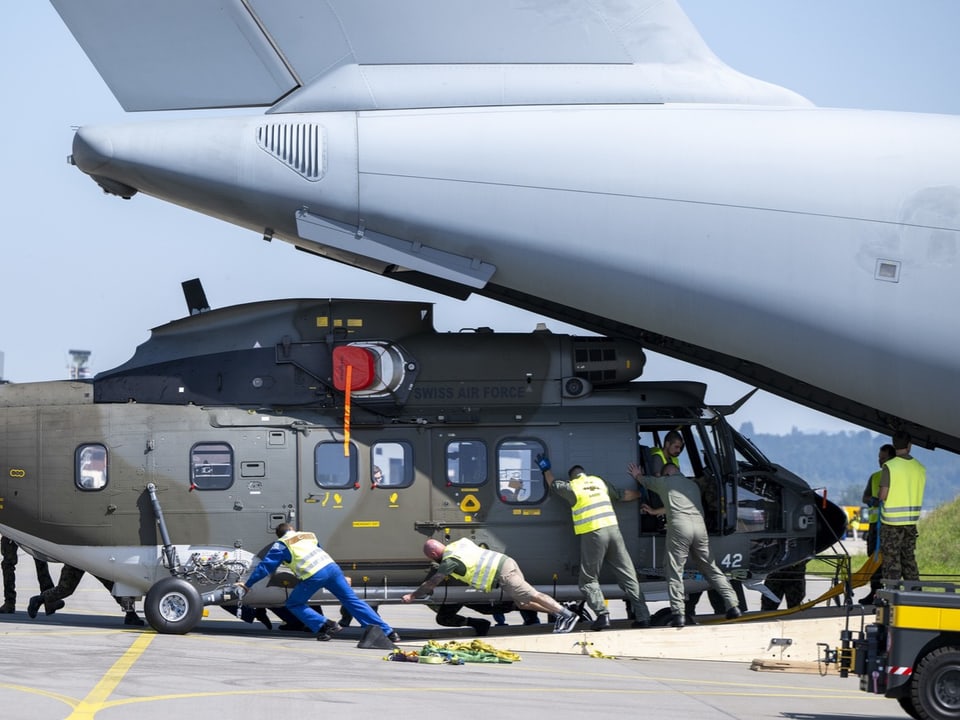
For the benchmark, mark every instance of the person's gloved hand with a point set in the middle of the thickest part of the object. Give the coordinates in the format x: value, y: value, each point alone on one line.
x: 543, y: 462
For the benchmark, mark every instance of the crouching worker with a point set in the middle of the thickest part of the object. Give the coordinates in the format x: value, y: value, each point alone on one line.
x: 315, y: 569
x: 484, y: 570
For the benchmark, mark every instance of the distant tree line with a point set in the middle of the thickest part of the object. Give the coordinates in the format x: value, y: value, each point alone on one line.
x: 842, y: 462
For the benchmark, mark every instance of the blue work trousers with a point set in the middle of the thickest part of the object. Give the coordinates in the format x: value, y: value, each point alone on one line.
x: 331, y: 578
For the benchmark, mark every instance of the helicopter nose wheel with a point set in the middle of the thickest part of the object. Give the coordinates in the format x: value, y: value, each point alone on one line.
x: 173, y: 606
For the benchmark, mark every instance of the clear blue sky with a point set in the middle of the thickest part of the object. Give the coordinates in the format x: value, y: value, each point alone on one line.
x: 83, y: 270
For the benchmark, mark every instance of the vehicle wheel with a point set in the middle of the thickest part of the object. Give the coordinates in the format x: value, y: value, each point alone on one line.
x: 908, y: 707
x: 173, y: 606
x: 935, y: 687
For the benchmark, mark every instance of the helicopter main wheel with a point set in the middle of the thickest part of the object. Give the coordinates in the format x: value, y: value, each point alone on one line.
x: 173, y: 606
x: 935, y: 686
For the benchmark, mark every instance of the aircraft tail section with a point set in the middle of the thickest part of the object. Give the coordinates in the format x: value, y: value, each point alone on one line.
x: 387, y: 54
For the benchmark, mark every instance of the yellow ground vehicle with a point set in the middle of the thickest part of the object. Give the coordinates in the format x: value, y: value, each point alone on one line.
x: 858, y: 521
x: 912, y: 651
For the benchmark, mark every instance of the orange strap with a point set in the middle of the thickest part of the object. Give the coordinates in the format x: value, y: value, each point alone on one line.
x: 346, y: 411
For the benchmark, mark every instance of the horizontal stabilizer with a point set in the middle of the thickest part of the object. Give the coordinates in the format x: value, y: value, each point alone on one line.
x: 179, y: 54
x: 385, y: 54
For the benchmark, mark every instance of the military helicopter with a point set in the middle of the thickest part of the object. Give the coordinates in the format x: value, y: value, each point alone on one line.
x: 356, y: 420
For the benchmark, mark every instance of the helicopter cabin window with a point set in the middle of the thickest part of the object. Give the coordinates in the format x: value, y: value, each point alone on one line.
x: 333, y: 469
x: 91, y: 467
x: 518, y: 476
x: 466, y: 463
x: 392, y: 465
x: 211, y: 466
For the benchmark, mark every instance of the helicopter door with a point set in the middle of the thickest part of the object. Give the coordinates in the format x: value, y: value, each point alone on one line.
x: 461, y: 491
x: 363, y: 498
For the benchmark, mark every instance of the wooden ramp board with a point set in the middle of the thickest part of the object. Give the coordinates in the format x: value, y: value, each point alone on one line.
x: 794, y: 666
x: 786, y: 641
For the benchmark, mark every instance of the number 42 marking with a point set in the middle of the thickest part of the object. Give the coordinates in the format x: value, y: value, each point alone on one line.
x: 732, y: 560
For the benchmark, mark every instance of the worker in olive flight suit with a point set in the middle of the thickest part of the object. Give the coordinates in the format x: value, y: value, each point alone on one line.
x: 686, y: 536
x: 871, y: 498
x: 902, y: 482
x: 10, y: 551
x: 595, y: 523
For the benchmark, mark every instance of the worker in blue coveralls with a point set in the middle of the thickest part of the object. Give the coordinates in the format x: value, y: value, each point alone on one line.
x: 315, y: 569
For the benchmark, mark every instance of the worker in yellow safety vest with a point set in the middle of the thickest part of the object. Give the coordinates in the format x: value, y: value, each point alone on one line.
x: 595, y: 523
x: 902, y: 483
x: 486, y: 569
x: 315, y: 570
x: 669, y: 454
x: 871, y: 499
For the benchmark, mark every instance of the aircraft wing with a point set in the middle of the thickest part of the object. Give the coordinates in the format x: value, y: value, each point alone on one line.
x: 384, y: 54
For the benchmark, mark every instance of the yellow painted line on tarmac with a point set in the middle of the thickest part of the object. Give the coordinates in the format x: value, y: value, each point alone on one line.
x: 65, y: 699
x: 290, y: 692
x: 96, y: 698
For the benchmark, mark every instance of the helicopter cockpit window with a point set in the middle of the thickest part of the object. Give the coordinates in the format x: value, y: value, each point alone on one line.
x: 211, y: 466
x: 466, y: 463
x: 333, y: 469
x: 392, y: 465
x: 759, y: 500
x: 91, y: 467
x: 518, y: 477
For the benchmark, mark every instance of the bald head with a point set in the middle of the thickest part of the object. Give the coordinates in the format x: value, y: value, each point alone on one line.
x: 433, y: 549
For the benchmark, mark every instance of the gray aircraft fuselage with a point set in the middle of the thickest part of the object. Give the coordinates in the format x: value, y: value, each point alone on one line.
x: 591, y: 162
x: 771, y: 243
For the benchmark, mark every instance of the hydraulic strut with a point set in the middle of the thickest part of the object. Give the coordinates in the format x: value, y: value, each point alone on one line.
x: 169, y: 551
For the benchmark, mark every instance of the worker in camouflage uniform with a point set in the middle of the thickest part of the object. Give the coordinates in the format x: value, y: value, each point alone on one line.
x: 902, y: 483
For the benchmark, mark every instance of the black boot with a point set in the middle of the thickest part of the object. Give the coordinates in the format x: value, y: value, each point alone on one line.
x: 480, y: 626
x: 601, y: 623
x: 261, y: 615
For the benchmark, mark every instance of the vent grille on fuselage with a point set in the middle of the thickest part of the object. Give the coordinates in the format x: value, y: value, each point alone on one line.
x: 299, y: 146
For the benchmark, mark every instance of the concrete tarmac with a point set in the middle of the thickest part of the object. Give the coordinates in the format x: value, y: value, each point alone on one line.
x: 83, y: 663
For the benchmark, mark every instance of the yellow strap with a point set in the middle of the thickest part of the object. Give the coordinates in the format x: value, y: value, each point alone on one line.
x: 858, y: 579
x: 585, y: 646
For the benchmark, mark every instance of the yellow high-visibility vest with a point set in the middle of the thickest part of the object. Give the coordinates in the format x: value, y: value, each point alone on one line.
x: 874, y: 512
x: 482, y: 565
x: 905, y: 494
x: 593, y: 509
x: 307, y: 557
x: 658, y: 452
